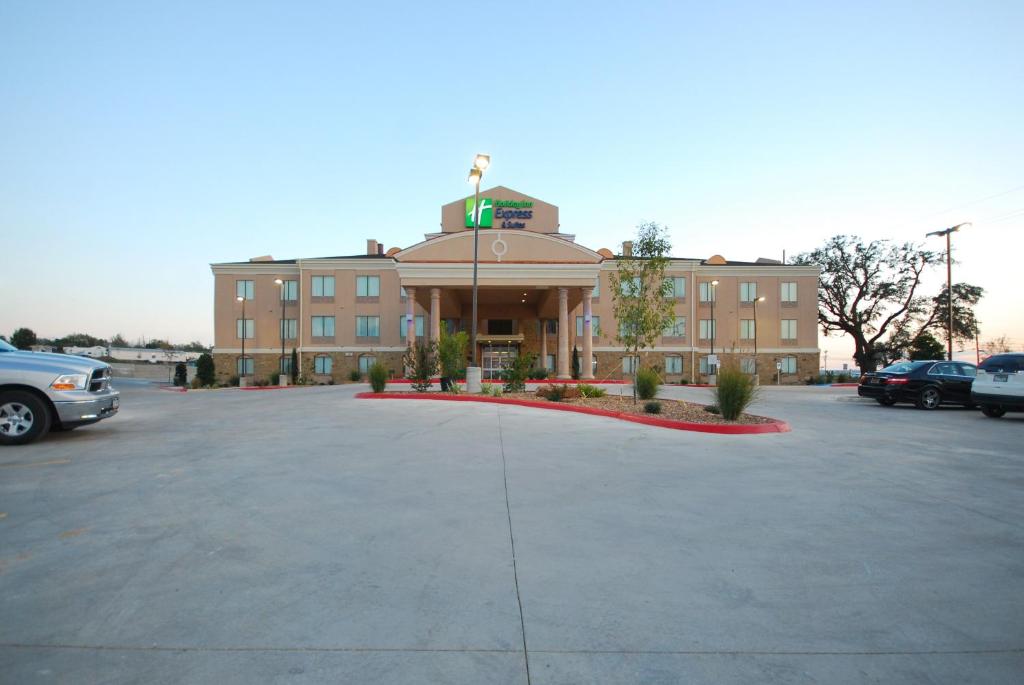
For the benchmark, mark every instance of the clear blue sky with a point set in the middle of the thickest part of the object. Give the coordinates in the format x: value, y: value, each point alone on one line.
x: 141, y: 141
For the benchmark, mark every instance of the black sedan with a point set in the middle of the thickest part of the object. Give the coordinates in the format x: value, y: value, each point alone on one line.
x: 925, y: 383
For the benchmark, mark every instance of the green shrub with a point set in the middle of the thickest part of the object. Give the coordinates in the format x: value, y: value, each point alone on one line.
x: 734, y: 392
x: 275, y: 378
x: 204, y: 369
x: 587, y: 390
x: 180, y: 374
x: 517, y: 372
x: 451, y: 354
x: 538, y: 374
x: 355, y: 376
x: 647, y: 382
x: 575, y: 363
x: 378, y: 377
x: 684, y: 381
x: 233, y: 381
x: 421, y: 360
x: 653, y: 407
x: 554, y: 393
x: 712, y: 409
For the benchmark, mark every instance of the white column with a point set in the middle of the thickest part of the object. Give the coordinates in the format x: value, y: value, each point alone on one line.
x: 410, y: 316
x: 563, y: 334
x: 435, y: 314
x: 586, y: 364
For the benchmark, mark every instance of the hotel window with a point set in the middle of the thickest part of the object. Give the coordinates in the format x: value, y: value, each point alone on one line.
x: 449, y: 326
x: 367, y: 326
x: 631, y: 286
x: 597, y: 288
x: 323, y: 286
x: 630, y: 364
x: 624, y: 329
x: 290, y: 291
x: 705, y: 368
x: 787, y: 292
x: 746, y: 329
x: 708, y: 292
x: 747, y: 365
x: 323, y: 327
x: 675, y: 328
x: 675, y: 287
x: 788, y: 364
x: 552, y: 326
x: 418, y: 322
x: 246, y: 289
x: 401, y: 289
x: 322, y: 364
x: 748, y: 292
x: 245, y: 328
x: 244, y: 366
x: 365, y: 362
x: 787, y: 329
x: 286, y: 329
x: 285, y: 365
x: 595, y: 326
x: 549, y: 362
x: 501, y: 327
x: 673, y: 365
x: 708, y: 329
x: 367, y: 286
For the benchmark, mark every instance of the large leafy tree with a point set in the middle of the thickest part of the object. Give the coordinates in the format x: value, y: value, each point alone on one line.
x: 933, y: 322
x: 869, y: 290
x: 639, y: 290
x: 24, y: 338
x: 926, y: 346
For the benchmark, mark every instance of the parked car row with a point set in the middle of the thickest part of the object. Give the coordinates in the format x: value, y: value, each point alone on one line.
x: 996, y: 385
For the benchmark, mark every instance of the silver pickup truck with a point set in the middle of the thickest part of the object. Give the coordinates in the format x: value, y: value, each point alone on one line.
x: 40, y: 392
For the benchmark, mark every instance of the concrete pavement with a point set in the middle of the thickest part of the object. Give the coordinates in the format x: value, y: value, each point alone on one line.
x: 303, y: 536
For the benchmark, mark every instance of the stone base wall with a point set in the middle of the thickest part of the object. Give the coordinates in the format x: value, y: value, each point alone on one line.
x: 342, y: 365
x: 609, y: 366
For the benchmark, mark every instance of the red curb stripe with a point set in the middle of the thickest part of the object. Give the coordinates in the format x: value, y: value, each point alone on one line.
x: 546, y: 381
x: 270, y: 387
x: 171, y: 389
x: 776, y: 426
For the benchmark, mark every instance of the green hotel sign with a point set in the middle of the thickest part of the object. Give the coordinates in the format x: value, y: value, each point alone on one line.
x: 507, y: 210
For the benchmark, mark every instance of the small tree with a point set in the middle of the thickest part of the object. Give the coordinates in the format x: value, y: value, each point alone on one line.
x: 451, y: 355
x: 421, y: 360
x: 205, y: 370
x: 998, y: 345
x: 24, y: 338
x: 642, y: 306
x: 293, y: 371
x: 927, y: 346
x: 180, y: 374
x: 378, y: 374
x: 119, y: 341
x: 517, y: 372
x: 575, y: 363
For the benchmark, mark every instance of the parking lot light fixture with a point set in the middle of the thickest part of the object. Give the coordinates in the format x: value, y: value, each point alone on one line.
x: 241, y: 374
x: 714, y: 284
x: 949, y: 282
x: 476, y: 174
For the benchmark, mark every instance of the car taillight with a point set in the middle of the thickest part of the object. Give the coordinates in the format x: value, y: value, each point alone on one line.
x: 897, y: 381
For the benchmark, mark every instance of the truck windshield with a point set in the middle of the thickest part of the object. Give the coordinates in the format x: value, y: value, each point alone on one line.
x: 6, y: 347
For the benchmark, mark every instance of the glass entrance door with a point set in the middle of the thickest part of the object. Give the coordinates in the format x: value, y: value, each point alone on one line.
x: 496, y: 358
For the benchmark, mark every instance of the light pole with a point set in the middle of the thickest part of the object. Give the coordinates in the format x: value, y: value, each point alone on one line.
x: 756, y: 300
x: 714, y: 328
x: 476, y: 174
x: 241, y: 376
x: 949, y: 281
x: 280, y: 365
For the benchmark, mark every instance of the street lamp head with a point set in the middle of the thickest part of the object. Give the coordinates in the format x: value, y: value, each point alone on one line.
x: 482, y: 162
x: 474, y: 176
x: 714, y: 283
x: 240, y: 299
x: 278, y: 281
x: 760, y: 299
x: 947, y: 231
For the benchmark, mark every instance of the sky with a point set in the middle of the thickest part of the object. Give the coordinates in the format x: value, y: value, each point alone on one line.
x: 140, y: 142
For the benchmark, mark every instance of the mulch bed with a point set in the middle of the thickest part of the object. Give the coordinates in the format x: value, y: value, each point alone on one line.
x: 677, y: 410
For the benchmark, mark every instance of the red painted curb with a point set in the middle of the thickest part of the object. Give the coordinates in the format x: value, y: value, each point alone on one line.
x: 172, y: 388
x: 775, y: 426
x: 270, y: 387
x: 545, y: 381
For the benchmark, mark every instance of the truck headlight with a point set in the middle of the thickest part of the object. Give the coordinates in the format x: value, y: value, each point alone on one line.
x: 70, y: 381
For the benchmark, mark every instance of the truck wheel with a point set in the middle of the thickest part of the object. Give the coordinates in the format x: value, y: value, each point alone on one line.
x: 993, y: 411
x: 23, y: 418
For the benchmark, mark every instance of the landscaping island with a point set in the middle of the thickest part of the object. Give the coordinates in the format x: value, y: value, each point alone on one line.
x: 676, y: 414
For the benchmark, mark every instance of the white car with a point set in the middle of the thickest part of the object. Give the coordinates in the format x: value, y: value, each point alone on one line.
x: 999, y: 385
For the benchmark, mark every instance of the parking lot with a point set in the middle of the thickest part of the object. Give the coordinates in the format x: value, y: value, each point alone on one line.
x: 302, y: 536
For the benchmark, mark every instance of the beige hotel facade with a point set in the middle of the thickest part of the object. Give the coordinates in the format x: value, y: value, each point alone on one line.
x: 540, y: 292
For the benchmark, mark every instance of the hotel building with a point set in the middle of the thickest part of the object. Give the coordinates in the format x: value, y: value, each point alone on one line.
x: 540, y: 292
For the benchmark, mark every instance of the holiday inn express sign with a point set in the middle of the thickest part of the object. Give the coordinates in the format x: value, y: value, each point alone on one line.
x: 511, y: 213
